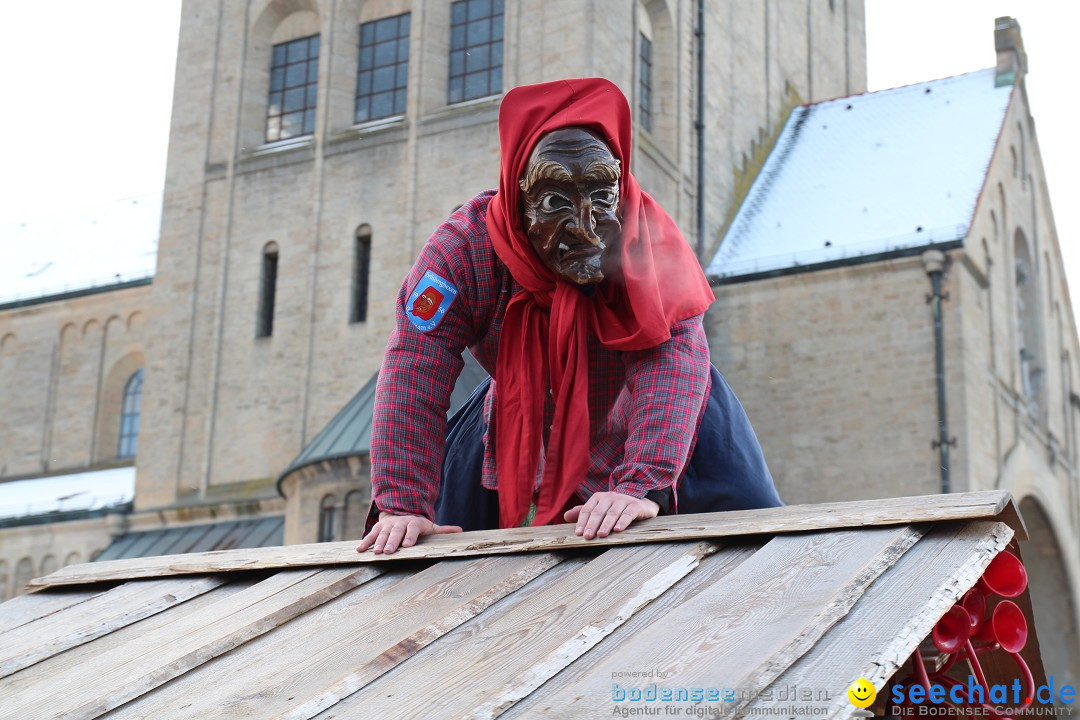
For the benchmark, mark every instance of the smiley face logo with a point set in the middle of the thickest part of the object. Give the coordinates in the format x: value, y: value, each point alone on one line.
x: 861, y: 693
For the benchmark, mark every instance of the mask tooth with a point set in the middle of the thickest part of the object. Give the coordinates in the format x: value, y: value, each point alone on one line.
x: 564, y: 246
x: 602, y: 245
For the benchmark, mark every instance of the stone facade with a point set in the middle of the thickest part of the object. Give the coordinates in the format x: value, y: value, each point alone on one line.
x: 64, y: 365
x: 836, y: 368
x: 225, y: 411
x: 226, y: 405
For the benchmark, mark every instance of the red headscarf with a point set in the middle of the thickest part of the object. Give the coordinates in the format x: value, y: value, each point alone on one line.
x: 545, y: 330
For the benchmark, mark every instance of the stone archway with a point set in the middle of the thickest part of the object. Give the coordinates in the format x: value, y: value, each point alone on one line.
x: 1051, y: 600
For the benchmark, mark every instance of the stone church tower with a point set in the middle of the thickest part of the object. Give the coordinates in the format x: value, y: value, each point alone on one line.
x: 316, y: 145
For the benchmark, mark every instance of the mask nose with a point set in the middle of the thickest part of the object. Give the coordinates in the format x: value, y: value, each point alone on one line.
x: 583, y: 226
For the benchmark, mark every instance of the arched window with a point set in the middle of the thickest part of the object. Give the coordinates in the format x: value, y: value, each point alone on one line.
x: 129, y: 418
x: 657, y: 78
x: 1029, y: 326
x: 355, y: 511
x: 361, y: 271
x: 24, y: 573
x: 267, y: 289
x: 328, y: 519
x: 294, y: 75
x: 645, y: 69
x: 476, y: 50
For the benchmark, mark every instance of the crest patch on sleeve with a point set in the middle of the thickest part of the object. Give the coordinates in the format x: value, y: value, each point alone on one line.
x: 430, y: 301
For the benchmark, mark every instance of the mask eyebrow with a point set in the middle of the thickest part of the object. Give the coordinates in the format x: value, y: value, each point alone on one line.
x: 604, y: 171
x: 546, y: 170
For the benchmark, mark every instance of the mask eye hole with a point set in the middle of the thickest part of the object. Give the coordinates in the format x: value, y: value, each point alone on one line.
x: 604, y: 198
x: 552, y: 202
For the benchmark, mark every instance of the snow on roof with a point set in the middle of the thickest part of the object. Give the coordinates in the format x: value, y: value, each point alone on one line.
x: 78, y: 250
x: 868, y: 174
x: 64, y: 493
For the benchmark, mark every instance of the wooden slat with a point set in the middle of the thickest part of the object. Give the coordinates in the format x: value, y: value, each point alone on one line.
x: 78, y: 624
x: 747, y: 629
x: 370, y: 630
x: 130, y: 670
x: 45, y: 673
x: 793, y: 518
x: 711, y: 570
x: 501, y: 662
x: 27, y: 608
x: 891, y: 619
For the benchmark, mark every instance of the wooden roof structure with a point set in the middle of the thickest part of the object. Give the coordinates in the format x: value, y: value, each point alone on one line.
x: 523, y: 623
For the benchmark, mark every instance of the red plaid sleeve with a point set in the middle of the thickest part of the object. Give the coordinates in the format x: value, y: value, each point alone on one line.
x: 667, y: 387
x: 419, y: 371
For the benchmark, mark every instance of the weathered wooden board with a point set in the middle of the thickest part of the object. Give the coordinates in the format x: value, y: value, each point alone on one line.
x: 78, y: 659
x: 97, y: 616
x: 370, y: 630
x: 745, y: 630
x: 885, y: 626
x: 793, y: 518
x: 128, y: 671
x: 711, y: 570
x: 502, y: 661
x: 27, y: 608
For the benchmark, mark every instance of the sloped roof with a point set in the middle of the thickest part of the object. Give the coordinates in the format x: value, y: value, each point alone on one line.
x: 62, y: 253
x: 67, y: 493
x: 529, y: 622
x: 224, y: 535
x: 349, y: 432
x: 868, y: 174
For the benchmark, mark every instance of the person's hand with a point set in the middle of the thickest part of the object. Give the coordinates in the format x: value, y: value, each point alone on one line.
x: 607, y: 511
x: 394, y: 531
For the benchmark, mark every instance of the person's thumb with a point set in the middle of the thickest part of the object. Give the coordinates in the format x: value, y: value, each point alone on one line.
x: 440, y: 529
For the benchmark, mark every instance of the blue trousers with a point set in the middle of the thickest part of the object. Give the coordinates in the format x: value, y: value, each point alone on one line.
x: 726, y: 472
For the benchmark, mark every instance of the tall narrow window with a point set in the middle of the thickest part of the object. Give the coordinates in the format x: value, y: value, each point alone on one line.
x: 645, y: 83
x: 267, y: 291
x: 476, y: 49
x: 361, y: 271
x: 328, y: 519
x: 294, y: 75
x: 129, y: 418
x: 383, y: 73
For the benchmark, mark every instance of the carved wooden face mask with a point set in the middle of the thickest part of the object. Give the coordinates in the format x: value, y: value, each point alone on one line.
x: 570, y: 194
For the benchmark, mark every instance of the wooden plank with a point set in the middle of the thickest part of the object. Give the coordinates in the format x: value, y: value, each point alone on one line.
x: 711, y: 570
x: 503, y: 661
x: 44, y: 673
x: 888, y: 622
x: 375, y: 628
x: 792, y: 518
x: 744, y: 631
x: 129, y: 670
x: 27, y: 608
x: 78, y: 624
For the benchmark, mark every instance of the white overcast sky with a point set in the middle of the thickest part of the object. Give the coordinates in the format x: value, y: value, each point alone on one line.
x: 88, y: 88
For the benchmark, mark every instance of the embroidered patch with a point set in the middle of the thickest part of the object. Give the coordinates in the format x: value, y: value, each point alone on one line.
x: 430, y: 300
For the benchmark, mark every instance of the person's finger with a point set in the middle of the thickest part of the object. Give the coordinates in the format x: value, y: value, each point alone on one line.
x: 629, y: 515
x: 609, y: 519
x: 440, y: 529
x: 413, y: 530
x: 572, y: 514
x: 380, y: 541
x: 396, y: 534
x: 595, y: 518
x: 368, y: 540
x: 584, y: 514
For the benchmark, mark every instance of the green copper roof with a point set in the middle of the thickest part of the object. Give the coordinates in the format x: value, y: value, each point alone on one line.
x: 349, y: 433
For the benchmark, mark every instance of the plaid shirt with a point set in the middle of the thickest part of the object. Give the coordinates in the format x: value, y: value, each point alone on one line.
x: 645, y: 406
